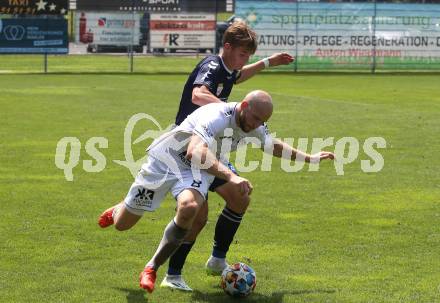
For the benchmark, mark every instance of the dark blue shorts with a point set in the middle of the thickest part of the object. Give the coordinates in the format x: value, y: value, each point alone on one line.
x: 219, y: 182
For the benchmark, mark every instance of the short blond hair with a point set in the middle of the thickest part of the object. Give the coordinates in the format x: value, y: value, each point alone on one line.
x: 239, y: 34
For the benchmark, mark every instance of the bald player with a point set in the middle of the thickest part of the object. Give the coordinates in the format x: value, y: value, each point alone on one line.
x: 185, y: 160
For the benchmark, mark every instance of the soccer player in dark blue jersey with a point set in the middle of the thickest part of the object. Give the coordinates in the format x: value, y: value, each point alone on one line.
x: 215, y: 76
x: 212, y: 81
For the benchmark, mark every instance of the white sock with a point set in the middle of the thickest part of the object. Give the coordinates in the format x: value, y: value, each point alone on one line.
x: 218, y: 260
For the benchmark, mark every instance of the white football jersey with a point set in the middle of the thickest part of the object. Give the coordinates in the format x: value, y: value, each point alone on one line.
x: 216, y: 125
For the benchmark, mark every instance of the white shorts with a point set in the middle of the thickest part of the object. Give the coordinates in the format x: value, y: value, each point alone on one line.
x: 155, y: 180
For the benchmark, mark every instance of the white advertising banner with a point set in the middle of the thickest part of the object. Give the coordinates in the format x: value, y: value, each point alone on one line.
x: 102, y: 28
x: 346, y: 34
x: 182, y: 31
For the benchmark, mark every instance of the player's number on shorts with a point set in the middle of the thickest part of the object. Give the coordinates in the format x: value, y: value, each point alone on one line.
x: 196, y: 183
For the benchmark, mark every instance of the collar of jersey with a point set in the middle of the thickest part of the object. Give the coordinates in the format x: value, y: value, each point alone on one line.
x: 226, y: 68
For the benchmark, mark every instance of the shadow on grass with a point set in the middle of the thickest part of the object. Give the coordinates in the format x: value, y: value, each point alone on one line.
x: 138, y: 295
x: 134, y: 295
x: 186, y: 73
x: 275, y: 297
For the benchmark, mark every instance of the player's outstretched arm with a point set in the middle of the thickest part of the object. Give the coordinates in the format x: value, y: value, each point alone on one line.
x: 280, y: 59
x: 283, y: 150
x: 250, y: 70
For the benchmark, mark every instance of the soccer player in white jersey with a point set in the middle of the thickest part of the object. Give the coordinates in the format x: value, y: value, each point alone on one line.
x: 185, y: 161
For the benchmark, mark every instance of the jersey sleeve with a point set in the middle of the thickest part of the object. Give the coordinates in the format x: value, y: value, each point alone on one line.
x: 264, y: 135
x: 207, y: 75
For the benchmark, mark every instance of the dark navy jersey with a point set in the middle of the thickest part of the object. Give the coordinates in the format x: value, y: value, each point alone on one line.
x: 212, y: 73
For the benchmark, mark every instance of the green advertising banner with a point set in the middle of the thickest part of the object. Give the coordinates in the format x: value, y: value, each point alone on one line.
x: 347, y: 35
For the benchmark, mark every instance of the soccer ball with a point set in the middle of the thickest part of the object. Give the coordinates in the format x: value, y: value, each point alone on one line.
x: 238, y: 280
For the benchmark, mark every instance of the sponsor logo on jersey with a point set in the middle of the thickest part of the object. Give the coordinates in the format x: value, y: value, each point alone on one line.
x: 207, y: 131
x: 182, y: 157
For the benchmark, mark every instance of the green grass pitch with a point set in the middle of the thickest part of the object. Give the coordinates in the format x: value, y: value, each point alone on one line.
x: 310, y: 236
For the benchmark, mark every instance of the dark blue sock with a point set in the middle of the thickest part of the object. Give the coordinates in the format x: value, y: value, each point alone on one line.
x: 225, y: 229
x: 177, y: 260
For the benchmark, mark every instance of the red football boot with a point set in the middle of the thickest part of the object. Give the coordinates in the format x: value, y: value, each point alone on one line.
x: 147, y: 279
x: 106, y: 218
